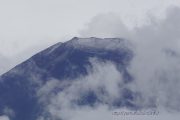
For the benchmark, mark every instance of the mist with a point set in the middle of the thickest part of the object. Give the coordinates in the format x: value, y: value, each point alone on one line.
x: 155, y: 69
x: 155, y: 66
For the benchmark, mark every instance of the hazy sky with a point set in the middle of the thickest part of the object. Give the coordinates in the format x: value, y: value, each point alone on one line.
x: 25, y: 24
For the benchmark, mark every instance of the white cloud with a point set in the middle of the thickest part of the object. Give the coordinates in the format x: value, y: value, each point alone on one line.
x: 27, y: 23
x: 155, y: 68
x: 4, y: 117
x: 156, y: 63
x: 8, y: 112
x: 103, y: 75
x: 105, y: 25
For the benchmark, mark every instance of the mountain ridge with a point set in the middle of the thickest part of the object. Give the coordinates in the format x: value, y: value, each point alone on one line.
x: 62, y: 61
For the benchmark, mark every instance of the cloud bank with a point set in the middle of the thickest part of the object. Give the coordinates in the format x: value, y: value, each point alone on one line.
x: 4, y: 117
x: 155, y: 66
x: 155, y: 69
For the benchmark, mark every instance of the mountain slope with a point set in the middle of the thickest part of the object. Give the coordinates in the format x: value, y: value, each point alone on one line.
x: 63, y: 62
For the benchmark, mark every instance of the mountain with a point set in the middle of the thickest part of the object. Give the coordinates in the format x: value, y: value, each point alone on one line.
x: 8, y: 62
x: 67, y: 61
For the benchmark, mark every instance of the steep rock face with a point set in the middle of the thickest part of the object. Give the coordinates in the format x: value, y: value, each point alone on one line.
x: 63, y: 61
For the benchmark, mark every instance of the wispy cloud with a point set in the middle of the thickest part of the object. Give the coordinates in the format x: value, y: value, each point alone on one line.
x: 4, y: 117
x: 155, y: 69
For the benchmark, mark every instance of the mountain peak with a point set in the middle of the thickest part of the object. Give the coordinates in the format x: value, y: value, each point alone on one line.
x: 99, y: 43
x: 64, y: 62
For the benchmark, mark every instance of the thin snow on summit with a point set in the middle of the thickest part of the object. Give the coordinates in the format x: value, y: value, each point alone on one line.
x: 101, y: 43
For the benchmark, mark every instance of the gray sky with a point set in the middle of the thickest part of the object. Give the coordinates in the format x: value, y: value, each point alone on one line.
x: 28, y: 23
x: 27, y: 26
